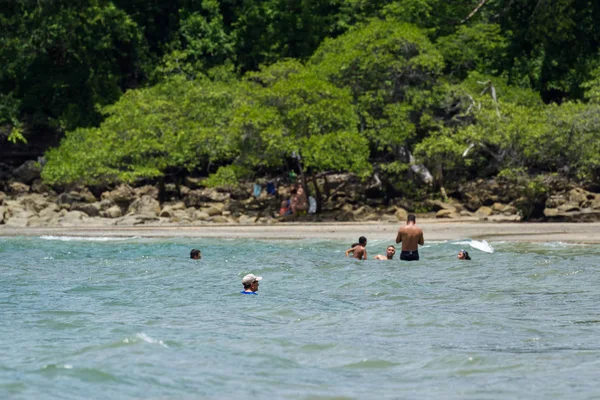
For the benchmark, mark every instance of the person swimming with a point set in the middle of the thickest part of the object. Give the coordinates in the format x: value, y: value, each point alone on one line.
x: 463, y: 255
x: 195, y: 254
x: 389, y: 254
x: 358, y: 250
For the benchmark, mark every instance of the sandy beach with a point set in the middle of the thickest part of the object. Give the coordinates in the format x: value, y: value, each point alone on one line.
x: 434, y: 230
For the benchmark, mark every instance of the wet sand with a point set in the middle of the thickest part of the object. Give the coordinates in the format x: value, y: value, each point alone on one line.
x: 434, y: 230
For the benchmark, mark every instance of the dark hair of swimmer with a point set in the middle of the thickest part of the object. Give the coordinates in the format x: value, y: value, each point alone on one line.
x: 195, y: 254
x: 411, y: 218
x: 362, y: 240
x: 463, y: 255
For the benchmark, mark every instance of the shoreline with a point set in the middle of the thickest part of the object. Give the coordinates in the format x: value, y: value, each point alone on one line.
x: 585, y: 233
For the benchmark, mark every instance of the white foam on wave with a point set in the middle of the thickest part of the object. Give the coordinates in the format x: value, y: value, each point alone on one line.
x: 148, y: 339
x: 482, y: 245
x: 86, y: 238
x: 563, y: 244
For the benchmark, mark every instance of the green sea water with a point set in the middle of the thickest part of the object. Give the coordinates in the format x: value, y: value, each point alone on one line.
x: 137, y: 319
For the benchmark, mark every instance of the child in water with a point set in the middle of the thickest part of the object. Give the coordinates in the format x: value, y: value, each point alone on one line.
x: 358, y: 250
x: 463, y: 255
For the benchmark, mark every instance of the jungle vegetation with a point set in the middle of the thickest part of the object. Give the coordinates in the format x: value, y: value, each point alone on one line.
x: 234, y: 89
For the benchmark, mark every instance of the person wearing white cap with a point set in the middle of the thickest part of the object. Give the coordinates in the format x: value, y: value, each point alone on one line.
x: 250, y: 283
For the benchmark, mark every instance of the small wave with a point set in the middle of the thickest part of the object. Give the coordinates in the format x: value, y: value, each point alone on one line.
x: 145, y: 338
x: 482, y: 245
x: 563, y: 244
x: 85, y: 238
x: 370, y: 364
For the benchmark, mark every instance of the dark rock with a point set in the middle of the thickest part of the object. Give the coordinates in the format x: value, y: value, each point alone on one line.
x: 65, y: 198
x: 447, y: 213
x: 91, y: 209
x: 122, y: 195
x: 578, y: 196
x: 144, y: 205
x: 27, y: 172
x: 33, y: 202
x: 38, y: 186
x: 112, y: 212
x: 437, y: 205
x: 146, y: 190
x: 568, y: 207
x: 588, y: 215
x: 556, y: 200
x: 18, y: 188
x: 484, y: 212
x: 196, y: 198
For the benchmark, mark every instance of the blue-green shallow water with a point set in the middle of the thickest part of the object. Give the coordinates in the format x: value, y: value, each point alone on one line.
x: 137, y: 319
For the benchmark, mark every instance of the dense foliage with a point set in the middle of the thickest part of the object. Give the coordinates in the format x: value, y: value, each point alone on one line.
x: 147, y: 89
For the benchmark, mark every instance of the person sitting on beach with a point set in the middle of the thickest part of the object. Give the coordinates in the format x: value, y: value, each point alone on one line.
x: 250, y: 283
x: 285, y: 208
x: 299, y: 203
x: 358, y: 250
x: 463, y: 255
x: 389, y: 254
x: 411, y: 237
x: 195, y: 254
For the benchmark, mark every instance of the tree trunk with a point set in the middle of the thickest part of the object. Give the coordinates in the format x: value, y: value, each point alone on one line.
x: 162, y: 195
x: 318, y: 196
x: 303, y: 178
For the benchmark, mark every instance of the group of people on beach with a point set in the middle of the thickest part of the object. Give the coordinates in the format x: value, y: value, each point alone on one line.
x: 410, y: 235
x: 297, y: 204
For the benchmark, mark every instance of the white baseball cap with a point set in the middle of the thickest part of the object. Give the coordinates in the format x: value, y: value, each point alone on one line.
x: 250, y: 278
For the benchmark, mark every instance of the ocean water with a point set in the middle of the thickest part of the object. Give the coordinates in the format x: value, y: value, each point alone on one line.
x: 137, y: 319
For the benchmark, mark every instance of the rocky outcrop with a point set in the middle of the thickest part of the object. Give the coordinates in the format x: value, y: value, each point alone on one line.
x: 123, y: 196
x: 575, y: 205
x: 344, y: 200
x: 112, y: 212
x: 144, y: 205
x: 91, y: 209
x: 18, y: 188
x: 401, y: 214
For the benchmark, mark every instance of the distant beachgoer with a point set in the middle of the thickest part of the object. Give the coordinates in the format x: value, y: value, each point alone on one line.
x: 299, y: 203
x: 463, y: 255
x: 195, y: 254
x: 358, y: 250
x: 389, y: 254
x: 411, y: 237
x: 250, y: 283
x: 285, y: 209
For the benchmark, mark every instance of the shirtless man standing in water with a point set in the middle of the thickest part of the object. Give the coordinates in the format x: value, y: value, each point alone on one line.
x: 411, y: 237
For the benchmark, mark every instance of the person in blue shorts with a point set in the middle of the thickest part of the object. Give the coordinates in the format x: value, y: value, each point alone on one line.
x: 250, y: 283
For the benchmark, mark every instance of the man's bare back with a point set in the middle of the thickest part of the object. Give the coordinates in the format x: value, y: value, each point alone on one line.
x: 358, y: 252
x: 411, y: 237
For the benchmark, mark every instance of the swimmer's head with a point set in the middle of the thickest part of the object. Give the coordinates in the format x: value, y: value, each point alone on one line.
x: 411, y: 218
x: 195, y: 254
x: 362, y: 241
x: 390, y: 251
x: 463, y: 255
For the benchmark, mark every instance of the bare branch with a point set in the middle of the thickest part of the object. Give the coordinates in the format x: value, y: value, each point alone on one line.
x: 481, y: 4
